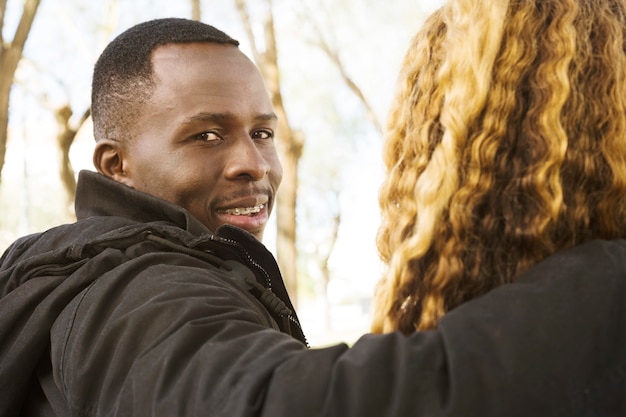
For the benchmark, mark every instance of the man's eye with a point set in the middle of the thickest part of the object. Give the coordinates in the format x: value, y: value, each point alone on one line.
x: 262, y: 134
x: 207, y: 136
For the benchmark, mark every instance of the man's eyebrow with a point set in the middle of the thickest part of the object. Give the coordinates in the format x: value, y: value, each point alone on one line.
x: 223, y: 117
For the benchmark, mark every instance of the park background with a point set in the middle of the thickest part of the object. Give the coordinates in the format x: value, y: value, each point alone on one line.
x: 338, y: 62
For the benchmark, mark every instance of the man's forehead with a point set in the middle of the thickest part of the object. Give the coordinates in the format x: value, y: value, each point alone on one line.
x: 219, y: 62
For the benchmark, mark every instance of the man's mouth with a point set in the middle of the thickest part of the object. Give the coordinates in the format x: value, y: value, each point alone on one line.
x: 243, y: 211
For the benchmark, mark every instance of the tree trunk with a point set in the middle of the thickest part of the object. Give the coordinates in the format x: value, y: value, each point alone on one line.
x: 289, y: 144
x: 195, y: 10
x: 10, y: 55
x: 324, y: 259
x: 65, y: 138
x: 286, y: 203
x: 5, y: 91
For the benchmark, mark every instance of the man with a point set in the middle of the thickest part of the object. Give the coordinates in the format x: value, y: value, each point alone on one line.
x: 203, y: 140
x: 160, y: 299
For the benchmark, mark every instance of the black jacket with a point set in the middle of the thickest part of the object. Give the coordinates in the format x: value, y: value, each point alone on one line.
x: 137, y: 309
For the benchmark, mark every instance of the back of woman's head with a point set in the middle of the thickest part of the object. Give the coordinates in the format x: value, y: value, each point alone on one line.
x: 506, y: 143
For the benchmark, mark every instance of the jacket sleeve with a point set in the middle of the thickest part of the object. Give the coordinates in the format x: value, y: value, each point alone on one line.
x: 176, y: 340
x: 554, y: 343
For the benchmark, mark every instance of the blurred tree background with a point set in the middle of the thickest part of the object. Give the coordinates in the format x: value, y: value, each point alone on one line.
x: 331, y: 68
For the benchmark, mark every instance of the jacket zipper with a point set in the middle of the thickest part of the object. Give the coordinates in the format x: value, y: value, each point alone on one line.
x: 254, y: 263
x: 235, y: 244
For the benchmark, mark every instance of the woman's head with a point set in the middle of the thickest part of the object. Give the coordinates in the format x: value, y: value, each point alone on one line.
x: 505, y: 144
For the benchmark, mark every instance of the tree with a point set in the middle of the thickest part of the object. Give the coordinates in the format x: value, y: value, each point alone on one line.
x: 323, y: 254
x: 330, y: 49
x: 333, y: 56
x: 10, y: 55
x: 290, y: 144
x: 195, y: 10
x: 67, y: 130
x: 65, y: 137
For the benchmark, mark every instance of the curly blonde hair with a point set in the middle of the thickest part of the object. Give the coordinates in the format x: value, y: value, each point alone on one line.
x: 506, y: 143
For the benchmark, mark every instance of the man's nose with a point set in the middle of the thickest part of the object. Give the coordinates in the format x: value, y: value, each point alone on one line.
x: 246, y: 161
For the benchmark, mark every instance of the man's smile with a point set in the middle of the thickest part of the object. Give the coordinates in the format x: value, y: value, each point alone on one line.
x: 243, y: 211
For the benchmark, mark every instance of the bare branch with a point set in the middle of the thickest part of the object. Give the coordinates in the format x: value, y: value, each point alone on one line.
x: 355, y: 89
x: 26, y: 22
x: 333, y: 55
x: 245, y: 19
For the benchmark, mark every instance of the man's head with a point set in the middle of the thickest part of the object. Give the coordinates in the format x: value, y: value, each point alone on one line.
x: 180, y: 113
x: 506, y: 144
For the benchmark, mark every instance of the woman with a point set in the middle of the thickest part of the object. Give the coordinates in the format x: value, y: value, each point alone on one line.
x: 506, y: 144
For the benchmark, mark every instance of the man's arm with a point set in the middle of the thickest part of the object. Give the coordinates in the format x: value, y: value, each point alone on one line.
x: 553, y: 343
x: 175, y: 341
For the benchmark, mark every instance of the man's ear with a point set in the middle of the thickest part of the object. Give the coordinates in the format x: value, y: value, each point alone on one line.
x: 108, y: 158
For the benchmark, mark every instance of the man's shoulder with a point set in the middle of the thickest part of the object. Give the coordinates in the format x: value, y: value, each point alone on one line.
x: 59, y: 237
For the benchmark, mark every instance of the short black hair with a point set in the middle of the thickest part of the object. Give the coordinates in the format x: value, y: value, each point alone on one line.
x: 123, y: 74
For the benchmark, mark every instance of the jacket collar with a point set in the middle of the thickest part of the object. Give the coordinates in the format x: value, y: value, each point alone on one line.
x: 98, y: 195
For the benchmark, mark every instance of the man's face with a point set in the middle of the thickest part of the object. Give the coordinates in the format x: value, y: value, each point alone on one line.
x: 205, y: 140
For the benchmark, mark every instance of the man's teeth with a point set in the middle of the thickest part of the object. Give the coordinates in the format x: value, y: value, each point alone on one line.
x: 243, y: 211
